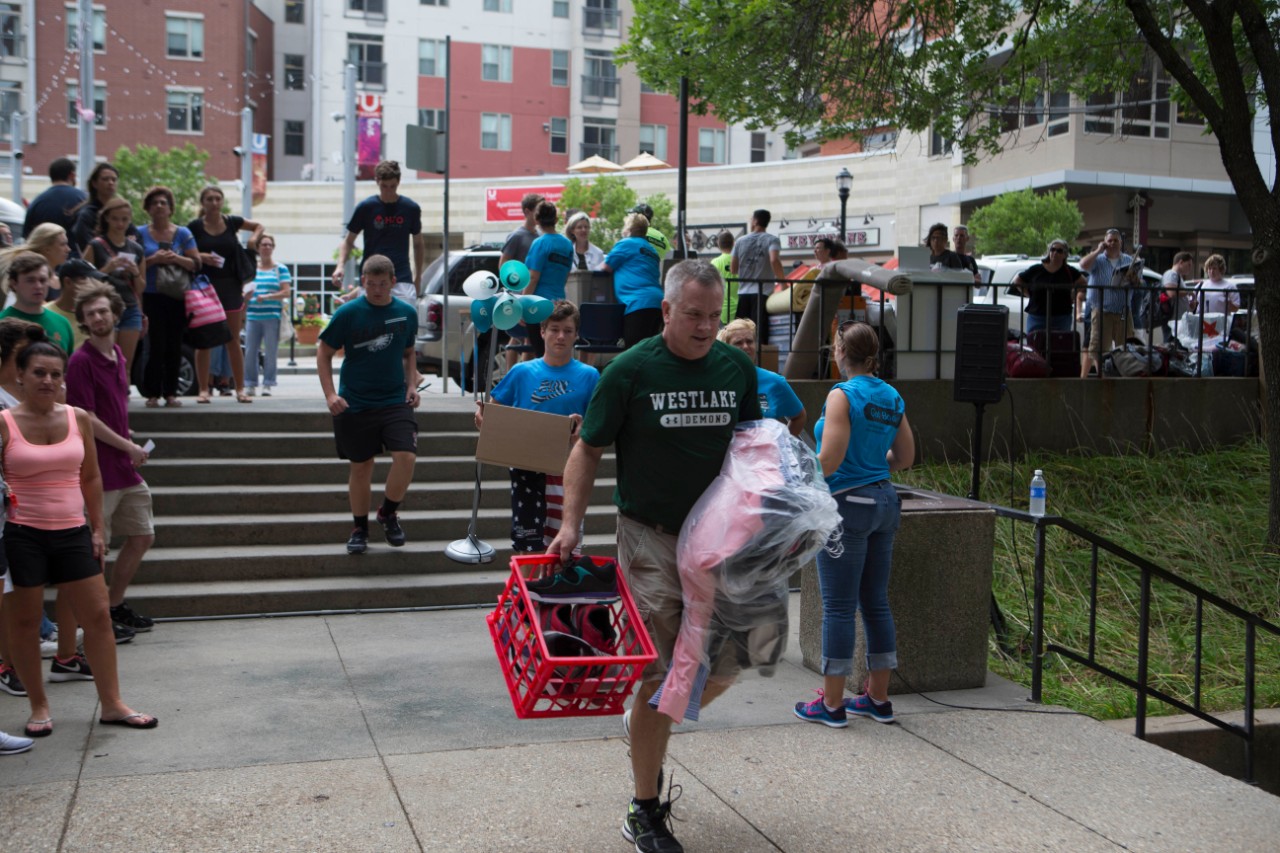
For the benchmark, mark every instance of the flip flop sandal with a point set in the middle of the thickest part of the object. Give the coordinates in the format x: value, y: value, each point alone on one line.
x: 203, y: 398
x: 153, y: 403
x: 125, y: 721
x: 40, y: 732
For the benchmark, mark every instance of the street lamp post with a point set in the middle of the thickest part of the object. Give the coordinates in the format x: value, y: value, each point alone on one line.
x: 844, y: 183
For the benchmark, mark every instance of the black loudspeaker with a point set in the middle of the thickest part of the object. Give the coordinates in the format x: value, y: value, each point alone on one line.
x: 981, y: 332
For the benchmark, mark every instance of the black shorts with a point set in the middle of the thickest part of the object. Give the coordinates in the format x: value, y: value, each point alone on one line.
x: 362, y: 435
x: 641, y: 324
x: 42, y: 557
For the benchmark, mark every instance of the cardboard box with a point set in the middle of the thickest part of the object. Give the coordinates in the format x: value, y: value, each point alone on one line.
x: 769, y: 357
x: 523, y: 438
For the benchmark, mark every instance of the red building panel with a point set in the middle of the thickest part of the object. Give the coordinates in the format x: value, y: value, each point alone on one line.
x: 656, y: 108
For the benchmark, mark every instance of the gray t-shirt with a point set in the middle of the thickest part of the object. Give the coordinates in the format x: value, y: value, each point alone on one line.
x: 518, y: 243
x: 752, y: 252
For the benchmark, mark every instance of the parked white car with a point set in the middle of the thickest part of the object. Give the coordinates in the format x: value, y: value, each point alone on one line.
x: 431, y: 315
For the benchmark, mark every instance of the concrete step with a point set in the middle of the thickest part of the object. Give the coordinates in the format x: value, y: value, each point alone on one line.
x: 274, y: 445
x: 315, y: 470
x: 493, y: 524
x: 365, y: 583
x: 267, y: 501
x: 224, y: 419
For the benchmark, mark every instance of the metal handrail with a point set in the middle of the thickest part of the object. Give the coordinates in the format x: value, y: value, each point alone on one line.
x: 1140, y: 683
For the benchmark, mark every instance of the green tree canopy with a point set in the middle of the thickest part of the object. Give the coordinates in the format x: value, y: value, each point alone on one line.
x: 1024, y: 222
x: 179, y: 169
x: 607, y: 199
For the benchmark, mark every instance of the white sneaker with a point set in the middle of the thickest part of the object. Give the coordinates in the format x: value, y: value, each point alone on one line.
x: 12, y: 745
x: 251, y: 391
x: 266, y: 392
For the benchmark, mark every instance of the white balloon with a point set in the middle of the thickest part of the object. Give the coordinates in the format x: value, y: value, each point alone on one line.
x: 481, y: 284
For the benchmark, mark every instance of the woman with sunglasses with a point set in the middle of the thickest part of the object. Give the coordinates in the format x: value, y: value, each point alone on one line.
x: 1049, y: 287
x: 862, y: 436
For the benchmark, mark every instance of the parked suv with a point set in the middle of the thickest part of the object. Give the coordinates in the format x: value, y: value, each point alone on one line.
x: 432, y: 320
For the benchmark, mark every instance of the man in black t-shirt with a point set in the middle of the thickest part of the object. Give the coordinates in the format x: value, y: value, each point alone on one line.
x: 56, y: 203
x: 1050, y: 290
x: 389, y: 222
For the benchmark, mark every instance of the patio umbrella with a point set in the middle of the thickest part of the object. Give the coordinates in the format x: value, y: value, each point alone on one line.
x: 645, y: 161
x: 595, y: 164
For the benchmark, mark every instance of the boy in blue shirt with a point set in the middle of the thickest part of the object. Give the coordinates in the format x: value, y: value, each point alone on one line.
x: 555, y: 383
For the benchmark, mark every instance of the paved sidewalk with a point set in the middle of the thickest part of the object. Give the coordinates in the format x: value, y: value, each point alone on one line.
x: 393, y: 732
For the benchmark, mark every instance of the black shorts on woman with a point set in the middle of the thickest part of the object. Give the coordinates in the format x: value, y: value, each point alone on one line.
x: 40, y: 558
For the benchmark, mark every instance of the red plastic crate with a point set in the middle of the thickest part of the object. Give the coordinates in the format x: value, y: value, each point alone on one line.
x: 544, y: 686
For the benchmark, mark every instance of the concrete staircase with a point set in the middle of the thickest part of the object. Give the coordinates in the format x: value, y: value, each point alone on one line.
x: 252, y: 516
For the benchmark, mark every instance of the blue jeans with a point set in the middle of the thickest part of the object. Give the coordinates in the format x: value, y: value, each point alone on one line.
x: 859, y: 579
x: 261, y: 333
x: 1059, y: 322
x: 220, y: 363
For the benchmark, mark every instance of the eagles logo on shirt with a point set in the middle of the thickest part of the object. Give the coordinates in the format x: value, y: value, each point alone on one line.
x: 377, y: 344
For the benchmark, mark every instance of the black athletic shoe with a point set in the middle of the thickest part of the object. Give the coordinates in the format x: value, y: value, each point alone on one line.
x: 9, y: 681
x: 582, y: 582
x: 126, y: 616
x: 359, y: 541
x: 649, y: 829
x: 123, y: 634
x: 391, y: 527
x: 75, y: 669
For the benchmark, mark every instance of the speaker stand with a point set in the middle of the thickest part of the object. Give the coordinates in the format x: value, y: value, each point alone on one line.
x: 998, y: 622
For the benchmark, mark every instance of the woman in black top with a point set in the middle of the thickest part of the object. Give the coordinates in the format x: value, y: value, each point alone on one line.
x: 216, y: 239
x: 101, y: 187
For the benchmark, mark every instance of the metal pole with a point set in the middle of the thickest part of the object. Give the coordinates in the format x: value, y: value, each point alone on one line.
x: 246, y: 163
x: 349, y: 159
x: 844, y: 217
x: 682, y: 176
x: 1037, y: 617
x: 444, y: 271
x: 16, y: 132
x: 84, y: 25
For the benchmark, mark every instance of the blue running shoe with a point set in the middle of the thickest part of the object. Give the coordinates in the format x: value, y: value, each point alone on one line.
x: 864, y: 706
x: 818, y: 712
x: 582, y: 582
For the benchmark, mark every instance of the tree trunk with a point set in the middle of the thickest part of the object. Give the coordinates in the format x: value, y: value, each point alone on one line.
x: 1267, y: 284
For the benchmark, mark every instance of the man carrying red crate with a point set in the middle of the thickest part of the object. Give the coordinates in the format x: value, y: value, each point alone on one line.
x: 668, y: 406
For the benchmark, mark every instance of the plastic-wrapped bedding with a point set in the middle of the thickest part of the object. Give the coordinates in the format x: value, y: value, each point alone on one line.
x: 765, y: 515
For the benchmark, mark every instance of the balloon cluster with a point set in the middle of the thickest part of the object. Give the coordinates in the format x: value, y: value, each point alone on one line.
x: 498, y: 302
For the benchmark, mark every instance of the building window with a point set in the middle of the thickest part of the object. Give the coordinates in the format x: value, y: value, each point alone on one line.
x: 495, y: 63
x: 295, y: 138
x: 759, y: 148
x: 295, y: 72
x: 601, y: 15
x: 495, y: 131
x: 10, y: 103
x: 885, y: 140
x: 365, y: 53
x: 559, y: 136
x: 940, y: 145
x: 646, y: 89
x: 497, y: 5
x: 11, y: 44
x: 600, y: 136
x: 711, y: 144
x: 433, y: 2
x: 430, y: 58
x: 99, y: 29
x: 653, y: 140
x: 368, y: 8
x: 559, y: 68
x: 559, y: 8
x: 433, y: 119
x: 1142, y: 110
x: 1019, y: 114
x: 1059, y: 116
x: 600, y: 82
x: 186, y: 111
x: 184, y: 37
x: 295, y: 11
x: 99, y: 105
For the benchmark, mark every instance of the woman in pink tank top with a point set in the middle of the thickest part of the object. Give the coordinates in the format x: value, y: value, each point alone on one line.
x: 54, y: 535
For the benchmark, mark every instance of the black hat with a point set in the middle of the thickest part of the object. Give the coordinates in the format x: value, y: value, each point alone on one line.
x: 79, y: 268
x: 644, y: 210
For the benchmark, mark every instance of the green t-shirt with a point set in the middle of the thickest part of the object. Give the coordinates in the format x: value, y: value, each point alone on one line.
x: 659, y: 241
x: 670, y: 421
x: 373, y: 339
x: 730, y: 309
x: 56, y: 328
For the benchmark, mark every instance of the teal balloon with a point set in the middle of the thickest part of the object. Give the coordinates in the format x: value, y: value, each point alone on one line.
x: 482, y: 314
x: 506, y: 312
x: 535, y: 309
x: 514, y: 275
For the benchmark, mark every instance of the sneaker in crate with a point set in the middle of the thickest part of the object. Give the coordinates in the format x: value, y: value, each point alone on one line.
x: 581, y: 582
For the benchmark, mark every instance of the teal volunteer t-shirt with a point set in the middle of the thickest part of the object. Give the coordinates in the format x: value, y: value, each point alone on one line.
x: 373, y: 339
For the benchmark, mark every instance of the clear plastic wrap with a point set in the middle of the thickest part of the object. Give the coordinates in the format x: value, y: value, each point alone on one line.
x: 760, y: 520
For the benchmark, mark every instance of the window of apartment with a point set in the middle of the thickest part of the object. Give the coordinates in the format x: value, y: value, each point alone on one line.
x: 10, y: 103
x: 495, y: 131
x: 940, y: 145
x: 1049, y: 109
x: 430, y: 58
x: 653, y: 140
x: 711, y: 145
x: 601, y: 15
x: 1142, y: 109
x: 184, y: 37
x: 600, y: 80
x: 885, y: 140
x: 600, y: 136
x: 1058, y: 120
x: 559, y: 8
x: 295, y: 138
x: 497, y: 5
x: 559, y: 68
x: 495, y: 63
x: 559, y: 136
x: 99, y: 29
x: 186, y: 110
x: 759, y: 147
x: 433, y: 2
x: 295, y: 11
x: 431, y: 118
x: 99, y: 105
x: 11, y: 30
x: 368, y: 8
x: 365, y: 53
x: 295, y: 72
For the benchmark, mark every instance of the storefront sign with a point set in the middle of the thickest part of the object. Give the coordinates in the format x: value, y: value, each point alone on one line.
x: 854, y: 238
x: 502, y: 204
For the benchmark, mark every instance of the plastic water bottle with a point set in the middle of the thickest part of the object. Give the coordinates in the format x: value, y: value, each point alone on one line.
x: 1037, y: 494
